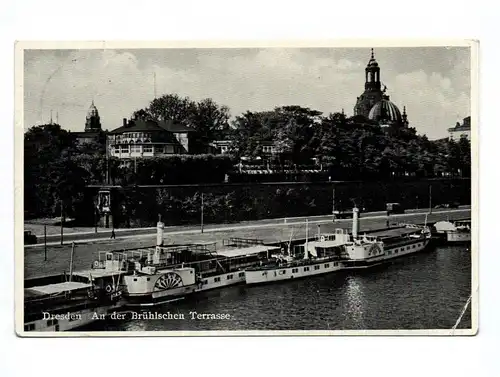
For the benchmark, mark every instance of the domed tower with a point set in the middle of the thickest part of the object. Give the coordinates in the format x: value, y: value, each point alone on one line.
x: 386, y: 113
x: 93, y: 121
x: 373, y: 92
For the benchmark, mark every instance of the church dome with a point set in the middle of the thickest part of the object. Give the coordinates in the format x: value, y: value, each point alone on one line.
x: 385, y: 110
x: 92, y: 112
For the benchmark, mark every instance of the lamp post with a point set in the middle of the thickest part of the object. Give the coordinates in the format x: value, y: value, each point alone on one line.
x: 201, y: 212
x: 62, y: 221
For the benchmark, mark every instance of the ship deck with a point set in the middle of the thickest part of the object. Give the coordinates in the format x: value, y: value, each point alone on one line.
x: 98, y: 273
x: 246, y: 251
x: 390, y: 233
x: 51, y: 289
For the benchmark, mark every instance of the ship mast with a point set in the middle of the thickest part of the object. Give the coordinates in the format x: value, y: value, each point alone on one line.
x: 306, y: 250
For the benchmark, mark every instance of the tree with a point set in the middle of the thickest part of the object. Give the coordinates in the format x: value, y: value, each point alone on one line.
x: 209, y: 119
x: 51, y: 172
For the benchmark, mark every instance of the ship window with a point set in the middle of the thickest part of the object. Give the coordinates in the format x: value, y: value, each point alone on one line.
x: 148, y: 279
x: 396, y: 251
x: 229, y: 277
x: 205, y: 281
x: 216, y: 280
x: 241, y: 274
x: 29, y: 327
x: 327, y: 265
x: 294, y: 270
x: 306, y: 268
x: 56, y: 328
x: 135, y: 279
x: 413, y: 247
x: 335, y: 264
x: 316, y: 267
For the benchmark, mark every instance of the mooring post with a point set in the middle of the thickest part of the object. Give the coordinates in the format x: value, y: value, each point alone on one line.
x: 71, y: 261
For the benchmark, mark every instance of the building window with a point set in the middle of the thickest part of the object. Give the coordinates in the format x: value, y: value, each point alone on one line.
x: 148, y: 149
x: 29, y: 327
x: 125, y: 149
x: 159, y: 149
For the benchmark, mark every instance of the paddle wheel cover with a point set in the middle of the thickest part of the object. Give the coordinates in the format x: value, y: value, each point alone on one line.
x: 169, y: 280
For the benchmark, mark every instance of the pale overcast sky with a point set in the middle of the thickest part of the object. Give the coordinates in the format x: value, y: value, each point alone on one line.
x: 433, y: 83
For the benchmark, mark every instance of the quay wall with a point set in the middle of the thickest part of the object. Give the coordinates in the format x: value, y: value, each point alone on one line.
x: 233, y: 202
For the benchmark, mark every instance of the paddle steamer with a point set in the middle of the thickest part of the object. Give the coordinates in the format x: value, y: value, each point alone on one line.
x: 341, y: 251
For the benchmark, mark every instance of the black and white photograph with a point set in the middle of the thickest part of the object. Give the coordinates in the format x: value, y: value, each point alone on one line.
x: 321, y: 189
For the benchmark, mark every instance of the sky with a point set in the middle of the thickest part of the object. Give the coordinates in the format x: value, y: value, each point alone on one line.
x: 432, y: 82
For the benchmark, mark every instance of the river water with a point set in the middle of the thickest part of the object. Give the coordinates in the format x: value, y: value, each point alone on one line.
x: 423, y: 291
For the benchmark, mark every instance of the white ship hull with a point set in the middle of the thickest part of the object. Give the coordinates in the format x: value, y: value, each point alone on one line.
x: 268, y: 275
x: 149, y: 296
x: 220, y: 281
x: 452, y: 236
x: 389, y: 253
x: 273, y: 274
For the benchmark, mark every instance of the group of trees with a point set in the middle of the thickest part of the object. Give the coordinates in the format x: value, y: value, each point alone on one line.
x: 209, y: 119
x: 351, y: 148
x: 57, y: 168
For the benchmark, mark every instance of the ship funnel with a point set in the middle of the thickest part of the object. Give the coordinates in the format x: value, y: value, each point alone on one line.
x: 159, y: 232
x: 355, y: 222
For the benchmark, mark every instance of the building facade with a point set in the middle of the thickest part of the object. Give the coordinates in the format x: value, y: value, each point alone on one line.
x: 460, y: 130
x: 374, y: 104
x: 143, y: 138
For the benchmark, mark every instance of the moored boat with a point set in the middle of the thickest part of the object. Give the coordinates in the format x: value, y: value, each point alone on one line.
x: 457, y: 231
x: 71, y: 301
x: 342, y: 251
x: 168, y: 273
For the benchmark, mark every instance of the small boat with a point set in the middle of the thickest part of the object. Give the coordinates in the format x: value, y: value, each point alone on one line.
x: 454, y: 231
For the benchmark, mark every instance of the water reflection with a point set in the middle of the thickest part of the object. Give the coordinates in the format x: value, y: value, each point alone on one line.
x: 356, y: 303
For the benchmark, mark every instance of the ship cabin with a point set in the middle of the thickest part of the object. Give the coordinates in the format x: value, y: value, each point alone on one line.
x: 328, y: 245
x: 232, y: 259
x: 399, y: 236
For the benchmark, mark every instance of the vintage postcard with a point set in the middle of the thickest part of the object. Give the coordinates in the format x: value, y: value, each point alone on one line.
x: 267, y: 188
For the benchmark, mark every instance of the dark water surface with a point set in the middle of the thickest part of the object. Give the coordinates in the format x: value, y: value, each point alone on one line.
x: 424, y: 291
